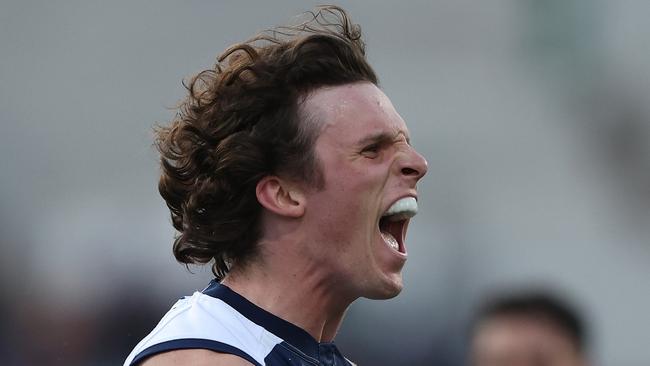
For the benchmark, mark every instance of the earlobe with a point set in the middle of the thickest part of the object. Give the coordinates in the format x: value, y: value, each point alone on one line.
x: 280, y: 197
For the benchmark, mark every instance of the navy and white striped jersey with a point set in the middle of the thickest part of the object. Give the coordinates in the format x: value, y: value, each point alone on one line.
x: 221, y: 320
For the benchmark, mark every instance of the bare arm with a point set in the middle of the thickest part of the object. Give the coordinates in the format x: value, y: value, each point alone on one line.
x: 195, y: 357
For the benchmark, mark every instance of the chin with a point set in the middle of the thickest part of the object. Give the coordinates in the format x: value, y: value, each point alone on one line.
x: 388, y: 289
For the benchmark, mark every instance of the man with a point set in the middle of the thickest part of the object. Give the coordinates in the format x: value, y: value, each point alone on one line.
x: 292, y: 172
x: 532, y: 329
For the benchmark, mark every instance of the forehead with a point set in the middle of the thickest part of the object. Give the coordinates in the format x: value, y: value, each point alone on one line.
x: 353, y: 111
x: 507, y: 334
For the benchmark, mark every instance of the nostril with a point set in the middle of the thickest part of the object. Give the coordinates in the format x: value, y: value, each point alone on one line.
x: 409, y: 171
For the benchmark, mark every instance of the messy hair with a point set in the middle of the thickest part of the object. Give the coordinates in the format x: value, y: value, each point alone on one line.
x: 241, y: 121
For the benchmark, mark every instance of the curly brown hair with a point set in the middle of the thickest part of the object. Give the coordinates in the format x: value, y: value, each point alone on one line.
x: 241, y: 121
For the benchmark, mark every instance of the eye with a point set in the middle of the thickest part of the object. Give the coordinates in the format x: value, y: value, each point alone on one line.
x: 371, y: 151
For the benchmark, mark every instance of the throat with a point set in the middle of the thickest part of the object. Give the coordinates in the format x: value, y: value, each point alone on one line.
x: 296, y: 301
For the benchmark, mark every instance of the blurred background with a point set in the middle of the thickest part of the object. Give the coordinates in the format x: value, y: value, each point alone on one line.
x: 534, y: 116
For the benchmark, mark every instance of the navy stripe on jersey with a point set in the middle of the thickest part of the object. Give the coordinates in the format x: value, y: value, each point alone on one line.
x: 192, y: 343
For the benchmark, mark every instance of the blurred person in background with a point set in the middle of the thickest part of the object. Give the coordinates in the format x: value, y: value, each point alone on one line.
x: 291, y: 171
x: 528, y: 329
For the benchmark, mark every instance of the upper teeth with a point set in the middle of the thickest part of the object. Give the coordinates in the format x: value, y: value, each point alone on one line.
x: 405, y: 208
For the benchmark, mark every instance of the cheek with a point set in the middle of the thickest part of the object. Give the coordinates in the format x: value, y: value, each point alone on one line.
x: 359, y: 181
x: 351, y: 197
x: 355, y: 197
x: 346, y: 213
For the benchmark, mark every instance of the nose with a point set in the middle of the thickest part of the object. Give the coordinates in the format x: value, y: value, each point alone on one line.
x: 412, y: 164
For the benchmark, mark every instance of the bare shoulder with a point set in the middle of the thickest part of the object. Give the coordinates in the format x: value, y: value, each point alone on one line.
x: 195, y: 357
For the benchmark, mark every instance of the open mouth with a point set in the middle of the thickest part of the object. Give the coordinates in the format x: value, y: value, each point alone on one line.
x: 392, y: 224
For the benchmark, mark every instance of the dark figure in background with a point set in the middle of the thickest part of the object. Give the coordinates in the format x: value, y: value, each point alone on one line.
x: 528, y: 329
x: 291, y: 172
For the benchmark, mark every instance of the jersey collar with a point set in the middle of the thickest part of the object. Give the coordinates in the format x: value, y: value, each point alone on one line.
x: 285, y: 330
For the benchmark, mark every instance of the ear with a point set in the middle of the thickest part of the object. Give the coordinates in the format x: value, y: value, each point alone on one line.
x: 280, y: 197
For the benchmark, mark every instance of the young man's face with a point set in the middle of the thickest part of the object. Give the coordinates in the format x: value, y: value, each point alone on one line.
x: 368, y: 165
x: 522, y: 341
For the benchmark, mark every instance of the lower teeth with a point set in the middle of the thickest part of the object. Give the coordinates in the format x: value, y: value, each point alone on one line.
x: 390, y: 240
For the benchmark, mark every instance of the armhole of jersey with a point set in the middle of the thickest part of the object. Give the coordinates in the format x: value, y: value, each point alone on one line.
x: 189, y: 343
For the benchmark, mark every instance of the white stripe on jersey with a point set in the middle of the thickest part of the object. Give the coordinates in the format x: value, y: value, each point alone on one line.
x: 194, y: 317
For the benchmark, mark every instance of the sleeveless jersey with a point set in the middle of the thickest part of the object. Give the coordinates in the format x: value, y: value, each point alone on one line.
x: 221, y: 320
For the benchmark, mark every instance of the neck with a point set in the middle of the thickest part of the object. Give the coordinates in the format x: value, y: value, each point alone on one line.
x: 294, y: 289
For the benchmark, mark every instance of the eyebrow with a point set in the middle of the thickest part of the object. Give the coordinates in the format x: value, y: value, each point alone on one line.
x: 381, y: 137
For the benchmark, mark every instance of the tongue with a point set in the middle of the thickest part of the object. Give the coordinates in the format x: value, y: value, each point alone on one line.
x: 390, y: 240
